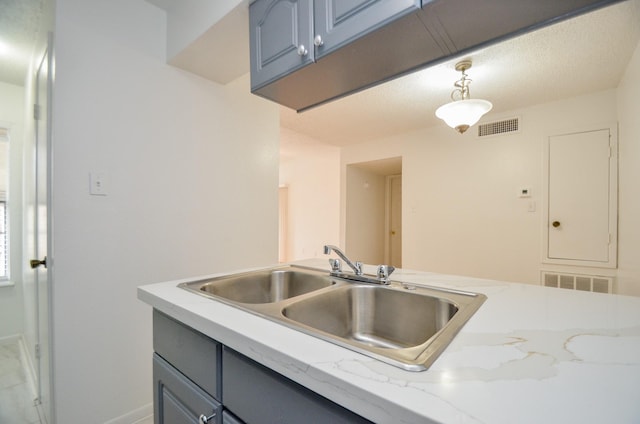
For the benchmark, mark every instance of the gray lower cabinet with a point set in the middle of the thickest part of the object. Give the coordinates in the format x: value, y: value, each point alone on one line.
x: 186, y: 374
x: 197, y: 379
x: 261, y: 396
x: 229, y: 418
x: 177, y: 400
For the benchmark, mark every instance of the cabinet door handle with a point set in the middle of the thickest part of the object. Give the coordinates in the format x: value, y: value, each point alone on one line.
x: 302, y: 50
x: 203, y: 419
x: 318, y: 41
x: 555, y: 224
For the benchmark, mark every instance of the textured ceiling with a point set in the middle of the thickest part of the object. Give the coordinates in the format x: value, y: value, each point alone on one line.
x: 19, y: 21
x: 581, y: 55
x: 585, y: 54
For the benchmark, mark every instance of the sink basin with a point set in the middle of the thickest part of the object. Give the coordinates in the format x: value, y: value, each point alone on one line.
x: 266, y: 286
x: 374, y: 316
x: 401, y: 324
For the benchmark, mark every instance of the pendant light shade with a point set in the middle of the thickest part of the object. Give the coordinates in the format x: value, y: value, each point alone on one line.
x: 463, y: 112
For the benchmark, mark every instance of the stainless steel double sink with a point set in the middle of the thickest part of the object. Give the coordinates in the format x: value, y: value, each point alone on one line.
x: 401, y: 324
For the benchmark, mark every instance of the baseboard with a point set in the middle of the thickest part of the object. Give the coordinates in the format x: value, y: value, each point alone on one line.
x: 134, y: 416
x: 28, y: 366
x: 10, y: 339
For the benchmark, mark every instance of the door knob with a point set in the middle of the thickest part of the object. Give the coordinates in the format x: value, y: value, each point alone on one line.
x: 302, y: 50
x: 555, y: 224
x: 35, y: 263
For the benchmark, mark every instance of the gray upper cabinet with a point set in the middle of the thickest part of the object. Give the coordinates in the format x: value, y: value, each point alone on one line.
x: 338, y: 22
x: 281, y: 34
x: 353, y: 39
x: 351, y: 45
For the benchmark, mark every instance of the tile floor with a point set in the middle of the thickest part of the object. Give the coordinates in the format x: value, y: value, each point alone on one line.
x: 16, y: 398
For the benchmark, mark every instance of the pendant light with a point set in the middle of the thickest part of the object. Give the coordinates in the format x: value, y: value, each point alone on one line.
x: 463, y: 111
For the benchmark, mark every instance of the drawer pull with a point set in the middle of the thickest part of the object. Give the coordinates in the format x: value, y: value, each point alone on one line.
x: 203, y: 419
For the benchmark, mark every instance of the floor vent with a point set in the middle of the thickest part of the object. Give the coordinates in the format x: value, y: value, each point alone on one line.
x: 592, y: 283
x: 499, y: 127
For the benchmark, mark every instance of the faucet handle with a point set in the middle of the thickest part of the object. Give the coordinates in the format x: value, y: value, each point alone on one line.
x: 384, y: 271
x: 358, y: 269
x: 336, y: 265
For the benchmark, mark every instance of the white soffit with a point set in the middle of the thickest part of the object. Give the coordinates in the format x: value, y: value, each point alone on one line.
x: 221, y: 54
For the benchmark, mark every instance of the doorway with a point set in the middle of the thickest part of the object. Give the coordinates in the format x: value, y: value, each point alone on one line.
x: 23, y: 236
x: 373, y: 230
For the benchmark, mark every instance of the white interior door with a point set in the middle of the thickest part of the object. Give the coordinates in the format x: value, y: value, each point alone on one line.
x: 40, y: 243
x: 395, y: 220
x: 580, y: 198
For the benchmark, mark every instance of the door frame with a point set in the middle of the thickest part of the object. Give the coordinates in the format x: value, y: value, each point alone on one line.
x: 613, y: 198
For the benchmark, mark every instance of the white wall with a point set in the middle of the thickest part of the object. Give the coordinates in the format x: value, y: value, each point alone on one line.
x: 311, y: 172
x: 365, y: 215
x: 629, y: 179
x: 188, y: 164
x: 11, y: 295
x: 461, y: 213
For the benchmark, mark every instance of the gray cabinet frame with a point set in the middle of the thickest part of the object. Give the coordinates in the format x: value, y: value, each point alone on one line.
x: 194, y: 374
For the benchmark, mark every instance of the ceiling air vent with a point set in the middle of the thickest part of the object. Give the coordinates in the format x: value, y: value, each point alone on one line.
x: 499, y: 127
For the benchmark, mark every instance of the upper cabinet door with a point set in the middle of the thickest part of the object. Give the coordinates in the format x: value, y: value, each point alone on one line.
x: 338, y: 22
x: 281, y: 34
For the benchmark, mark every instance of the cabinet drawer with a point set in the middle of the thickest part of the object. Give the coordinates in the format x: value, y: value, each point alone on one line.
x: 194, y: 354
x: 259, y: 395
x: 178, y: 399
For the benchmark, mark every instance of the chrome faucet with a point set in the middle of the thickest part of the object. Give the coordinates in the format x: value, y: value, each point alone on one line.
x: 335, y: 265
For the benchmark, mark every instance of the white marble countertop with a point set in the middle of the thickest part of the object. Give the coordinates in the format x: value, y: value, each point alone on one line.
x: 531, y: 354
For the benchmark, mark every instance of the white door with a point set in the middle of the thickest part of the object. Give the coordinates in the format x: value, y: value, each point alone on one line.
x: 40, y: 229
x: 581, y: 175
x: 394, y: 220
